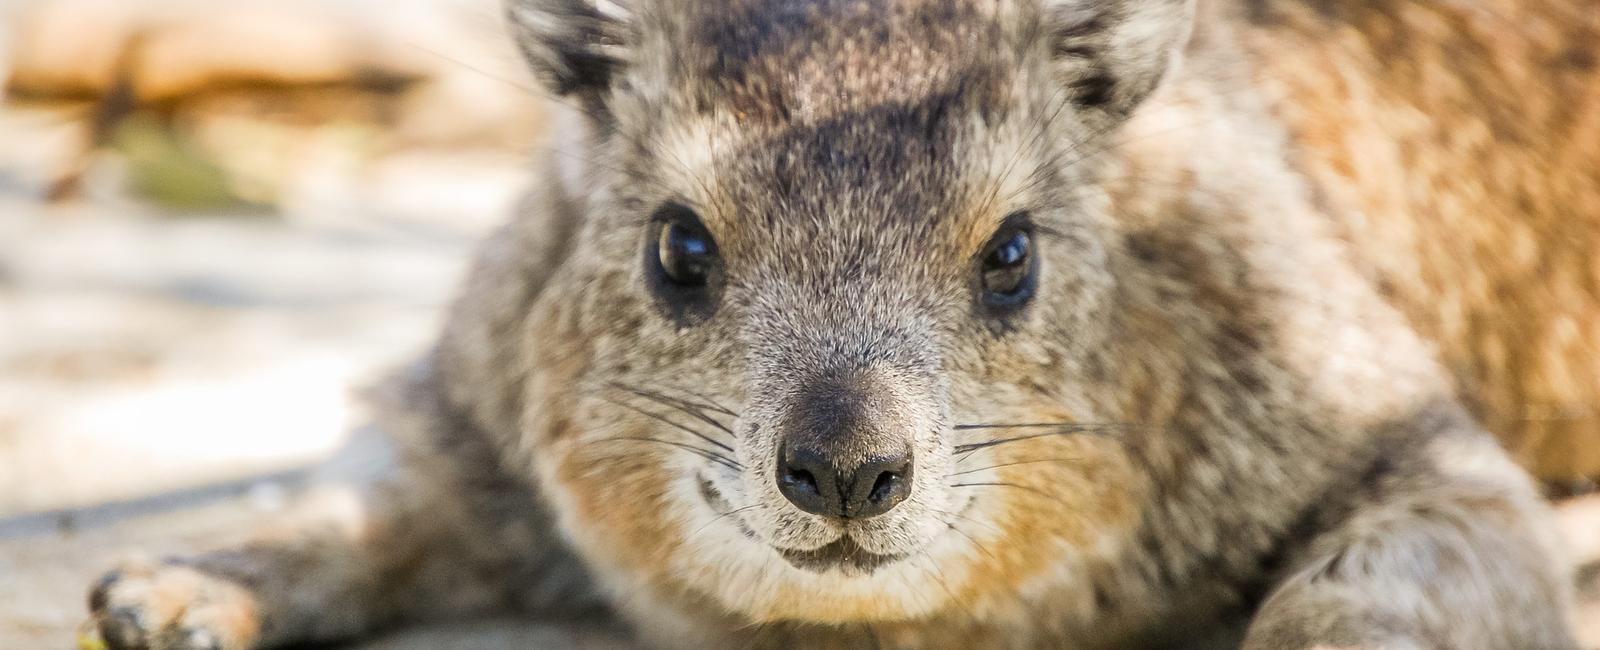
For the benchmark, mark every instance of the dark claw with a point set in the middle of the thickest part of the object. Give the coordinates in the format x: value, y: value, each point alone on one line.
x: 123, y: 629
x: 97, y: 596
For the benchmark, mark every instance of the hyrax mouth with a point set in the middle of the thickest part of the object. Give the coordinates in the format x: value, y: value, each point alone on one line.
x: 842, y: 554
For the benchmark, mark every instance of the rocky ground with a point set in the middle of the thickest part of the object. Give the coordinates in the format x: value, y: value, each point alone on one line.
x: 216, y: 219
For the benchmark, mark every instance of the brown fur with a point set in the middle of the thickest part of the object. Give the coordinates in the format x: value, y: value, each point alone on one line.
x: 1252, y: 438
x: 1457, y: 148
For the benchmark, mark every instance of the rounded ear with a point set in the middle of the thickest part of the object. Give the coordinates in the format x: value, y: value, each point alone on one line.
x: 574, y: 46
x: 1111, y: 54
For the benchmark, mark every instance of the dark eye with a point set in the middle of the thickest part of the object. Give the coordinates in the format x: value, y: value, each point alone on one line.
x: 1007, y: 266
x: 685, y: 250
x: 682, y: 261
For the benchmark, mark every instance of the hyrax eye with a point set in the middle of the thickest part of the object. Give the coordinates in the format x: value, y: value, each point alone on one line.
x: 685, y: 253
x: 683, y: 269
x: 1007, y: 265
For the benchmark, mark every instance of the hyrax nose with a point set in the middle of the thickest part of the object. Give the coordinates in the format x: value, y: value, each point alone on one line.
x: 811, y: 481
x: 841, y: 453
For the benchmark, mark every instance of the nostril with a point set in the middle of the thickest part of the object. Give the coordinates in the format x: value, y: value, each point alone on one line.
x: 804, y: 478
x: 800, y: 480
x: 879, y: 486
x: 884, y: 487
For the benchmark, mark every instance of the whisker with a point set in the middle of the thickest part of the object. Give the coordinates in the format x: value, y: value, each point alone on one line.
x: 661, y: 418
x: 718, y: 518
x: 1034, y: 490
x: 985, y: 524
x: 708, y: 455
x: 706, y: 402
x: 1058, y: 430
x: 1035, y: 425
x: 938, y: 575
x: 1041, y: 129
x: 975, y: 544
x: 677, y: 403
x: 1020, y: 462
x: 970, y: 538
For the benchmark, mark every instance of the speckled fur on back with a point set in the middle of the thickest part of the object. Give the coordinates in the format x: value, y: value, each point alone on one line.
x: 1242, y: 403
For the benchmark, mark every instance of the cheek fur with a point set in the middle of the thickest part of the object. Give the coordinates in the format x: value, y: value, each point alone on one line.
x: 625, y: 503
x: 1037, y: 500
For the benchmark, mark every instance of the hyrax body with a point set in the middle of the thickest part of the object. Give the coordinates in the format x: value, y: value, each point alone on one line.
x: 972, y: 323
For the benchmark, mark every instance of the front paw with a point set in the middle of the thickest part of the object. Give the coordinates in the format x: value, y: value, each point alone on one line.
x: 170, y: 607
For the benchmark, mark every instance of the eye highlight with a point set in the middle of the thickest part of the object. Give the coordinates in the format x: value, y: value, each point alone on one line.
x: 682, y: 263
x: 686, y: 252
x: 1007, y: 266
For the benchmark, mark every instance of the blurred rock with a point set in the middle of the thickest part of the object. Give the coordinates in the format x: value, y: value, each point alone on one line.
x: 171, y: 170
x: 178, y: 48
x: 67, y: 49
x: 7, y: 18
x: 140, y: 353
x: 385, y: 136
x: 247, y: 90
x: 37, y: 144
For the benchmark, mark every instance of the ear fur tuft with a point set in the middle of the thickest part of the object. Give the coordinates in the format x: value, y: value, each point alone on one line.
x: 1111, y: 54
x: 575, y: 46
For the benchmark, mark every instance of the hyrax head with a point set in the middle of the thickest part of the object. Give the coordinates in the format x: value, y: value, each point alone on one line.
x: 830, y: 312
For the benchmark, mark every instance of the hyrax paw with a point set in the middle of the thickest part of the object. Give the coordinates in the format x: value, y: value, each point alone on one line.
x: 170, y: 607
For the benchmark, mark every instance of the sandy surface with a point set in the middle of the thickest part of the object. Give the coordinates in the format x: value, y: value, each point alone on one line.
x: 155, y: 363
x: 46, y: 562
x: 167, y: 380
x: 140, y: 353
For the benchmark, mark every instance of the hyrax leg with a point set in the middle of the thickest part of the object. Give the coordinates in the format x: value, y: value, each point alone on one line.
x: 1458, y: 558
x: 441, y: 531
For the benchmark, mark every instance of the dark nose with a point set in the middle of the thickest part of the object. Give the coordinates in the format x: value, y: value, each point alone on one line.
x: 842, y: 452
x: 810, y: 481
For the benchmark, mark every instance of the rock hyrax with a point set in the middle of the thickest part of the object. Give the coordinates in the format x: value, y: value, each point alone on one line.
x: 990, y: 324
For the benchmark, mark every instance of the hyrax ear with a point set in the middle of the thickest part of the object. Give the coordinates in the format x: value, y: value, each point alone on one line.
x: 576, y: 47
x: 1111, y: 54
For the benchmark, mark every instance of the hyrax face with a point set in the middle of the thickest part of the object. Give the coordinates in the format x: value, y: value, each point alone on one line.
x: 821, y: 350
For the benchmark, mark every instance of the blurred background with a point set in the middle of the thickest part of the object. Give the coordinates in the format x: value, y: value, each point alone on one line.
x: 217, y: 218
